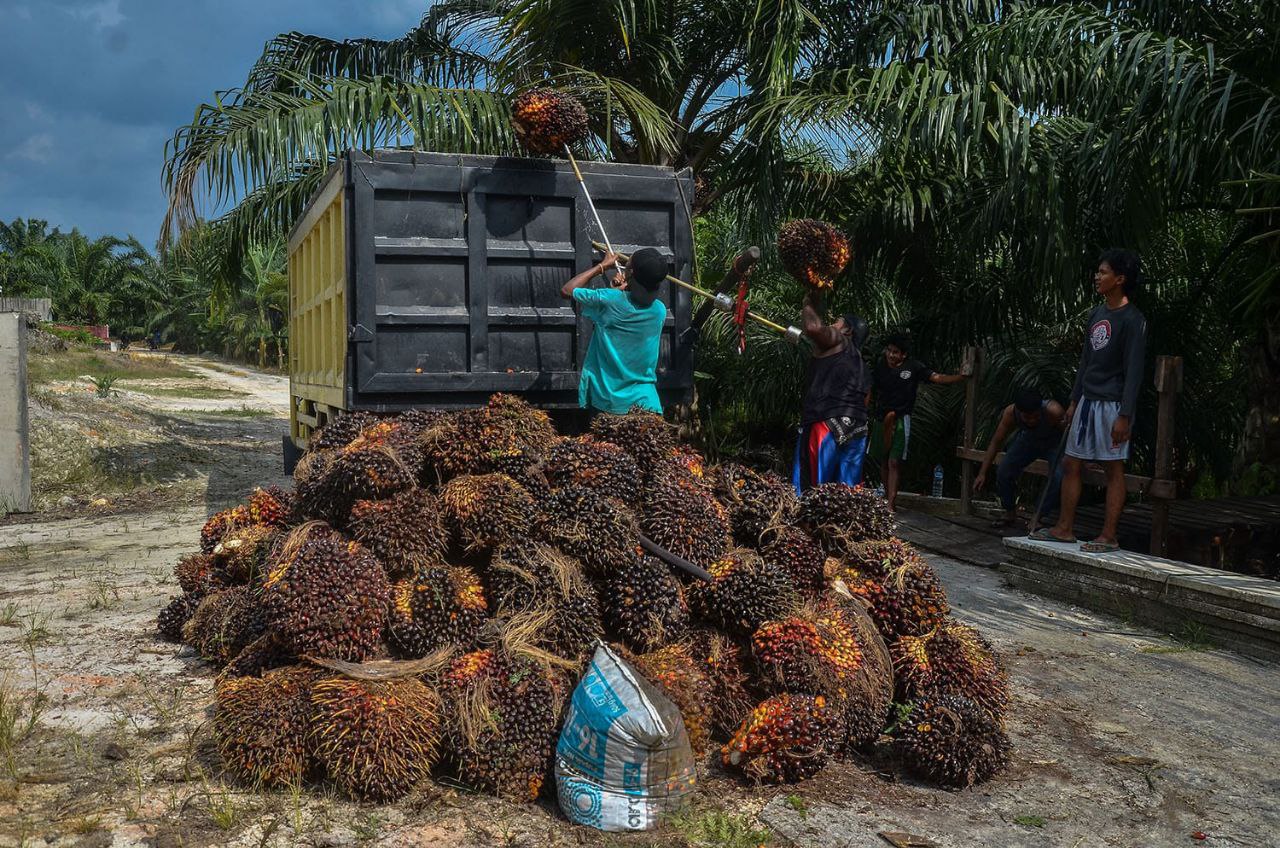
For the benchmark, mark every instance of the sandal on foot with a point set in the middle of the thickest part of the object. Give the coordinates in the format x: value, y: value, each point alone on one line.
x: 1044, y: 534
x: 1096, y: 547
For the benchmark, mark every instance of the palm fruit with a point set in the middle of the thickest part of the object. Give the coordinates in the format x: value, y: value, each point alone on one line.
x: 377, y: 464
x: 522, y: 465
x: 198, y: 574
x: 596, y: 530
x: 644, y: 604
x: 262, y: 724
x: 375, y: 739
x: 796, y: 553
x: 839, y: 516
x: 471, y: 438
x: 224, y: 623
x: 401, y: 531
x: 645, y: 435
x: 416, y: 422
x: 484, y: 511
x: 864, y: 708
x: 441, y: 605
x: 744, y: 593
x: 531, y: 577
x: 725, y: 666
x: 901, y: 589
x: 814, y: 252
x: 271, y: 507
x: 951, y: 741
x: 501, y: 722
x: 221, y: 523
x: 786, y: 739
x: 174, y: 616
x: 311, y: 491
x: 951, y: 659
x: 325, y: 595
x: 602, y: 467
x: 814, y: 650
x: 340, y: 431
x: 682, y: 679
x: 546, y: 121
x: 682, y: 517
x: 755, y: 500
x: 690, y: 461
x: 242, y: 554
x: 260, y: 655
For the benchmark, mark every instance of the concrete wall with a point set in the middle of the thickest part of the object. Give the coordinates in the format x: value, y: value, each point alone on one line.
x: 39, y: 308
x: 15, y: 452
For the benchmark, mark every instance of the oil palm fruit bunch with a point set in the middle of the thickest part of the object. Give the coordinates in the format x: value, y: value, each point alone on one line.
x: 951, y: 741
x: 222, y: 523
x: 271, y: 506
x: 522, y: 465
x: 814, y: 252
x: 727, y: 669
x: 951, y: 659
x: 531, y: 577
x: 417, y: 422
x: 262, y: 725
x: 602, y: 467
x: 680, y: 515
x: 484, y: 511
x: 864, y: 707
x: 242, y: 554
x: 528, y: 427
x: 744, y: 593
x: 501, y: 722
x: 174, y: 616
x: 795, y: 552
x: 690, y: 461
x: 375, y: 739
x: 645, y: 435
x: 471, y: 438
x: 340, y: 431
x: 903, y: 592
x: 441, y: 605
x: 676, y: 671
x: 644, y: 604
x: 546, y: 120
x: 596, y: 530
x: 838, y: 516
x: 373, y: 466
x: 401, y: 531
x: 224, y: 623
x: 311, y: 500
x: 262, y: 654
x: 755, y: 500
x: 813, y: 650
x: 325, y: 595
x: 198, y: 574
x: 786, y: 739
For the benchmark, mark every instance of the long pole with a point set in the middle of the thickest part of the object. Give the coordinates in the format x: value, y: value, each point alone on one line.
x: 590, y: 203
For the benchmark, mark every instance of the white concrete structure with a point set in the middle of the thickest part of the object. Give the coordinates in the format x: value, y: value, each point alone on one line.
x: 15, y: 445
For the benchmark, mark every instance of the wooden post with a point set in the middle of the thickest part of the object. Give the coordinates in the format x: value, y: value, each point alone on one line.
x: 972, y: 367
x: 1168, y: 384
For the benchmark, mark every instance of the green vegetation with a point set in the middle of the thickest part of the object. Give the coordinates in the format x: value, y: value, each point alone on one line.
x: 198, y: 392
x: 242, y: 412
x: 1029, y: 821
x: 702, y: 828
x: 100, y: 364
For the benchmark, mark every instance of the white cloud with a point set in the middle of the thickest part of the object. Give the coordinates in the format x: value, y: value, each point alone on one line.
x: 36, y: 148
x: 103, y: 14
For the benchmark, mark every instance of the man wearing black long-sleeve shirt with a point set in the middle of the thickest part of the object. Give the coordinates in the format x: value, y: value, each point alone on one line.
x: 1104, y: 398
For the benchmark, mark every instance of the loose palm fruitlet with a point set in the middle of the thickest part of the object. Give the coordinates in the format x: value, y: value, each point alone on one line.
x: 814, y: 252
x: 324, y: 595
x: 598, y: 531
x: 728, y: 671
x: 602, y: 467
x: 681, y: 516
x: 647, y: 437
x: 814, y: 651
x: 951, y: 741
x: 683, y: 679
x: 744, y: 593
x: 951, y: 659
x: 839, y: 516
x: 262, y: 725
x: 441, y: 605
x: 644, y: 604
x: 375, y: 739
x: 796, y: 553
x: 174, y: 616
x: 402, y: 531
x: 786, y: 739
x: 501, y: 723
x: 224, y: 623
x: 755, y: 500
x: 546, y: 120
x: 531, y: 577
x: 902, y: 590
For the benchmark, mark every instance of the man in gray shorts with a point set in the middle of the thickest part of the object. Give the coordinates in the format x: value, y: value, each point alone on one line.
x: 1103, y: 400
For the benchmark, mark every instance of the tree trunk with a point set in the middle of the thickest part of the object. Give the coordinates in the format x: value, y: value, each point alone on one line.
x: 1260, y: 442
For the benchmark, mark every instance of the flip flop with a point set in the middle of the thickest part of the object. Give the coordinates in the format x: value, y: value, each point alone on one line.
x: 1043, y: 535
x: 1097, y: 547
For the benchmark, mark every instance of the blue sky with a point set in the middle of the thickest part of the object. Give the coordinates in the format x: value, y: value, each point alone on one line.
x: 90, y: 90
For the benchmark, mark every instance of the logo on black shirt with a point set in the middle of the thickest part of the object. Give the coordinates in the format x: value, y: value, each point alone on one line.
x: 1100, y: 334
x: 905, y: 375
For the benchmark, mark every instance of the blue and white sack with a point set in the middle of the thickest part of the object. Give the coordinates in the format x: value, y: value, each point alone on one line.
x: 623, y: 760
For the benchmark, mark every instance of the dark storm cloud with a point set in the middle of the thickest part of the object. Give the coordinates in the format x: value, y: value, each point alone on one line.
x: 91, y: 90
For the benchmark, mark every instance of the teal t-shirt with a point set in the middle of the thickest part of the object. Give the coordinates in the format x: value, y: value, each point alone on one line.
x: 620, y: 369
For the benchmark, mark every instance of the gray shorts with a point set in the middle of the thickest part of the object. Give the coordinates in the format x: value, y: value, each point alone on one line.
x: 1090, y: 436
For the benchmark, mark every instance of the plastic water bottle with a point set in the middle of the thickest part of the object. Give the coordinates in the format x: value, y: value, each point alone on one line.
x: 937, y: 480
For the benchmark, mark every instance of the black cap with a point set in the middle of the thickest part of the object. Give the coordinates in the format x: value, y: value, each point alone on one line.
x: 858, y: 328
x: 1027, y: 399
x: 645, y: 271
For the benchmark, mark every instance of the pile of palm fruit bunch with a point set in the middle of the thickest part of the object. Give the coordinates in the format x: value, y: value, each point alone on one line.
x: 814, y: 252
x: 423, y: 602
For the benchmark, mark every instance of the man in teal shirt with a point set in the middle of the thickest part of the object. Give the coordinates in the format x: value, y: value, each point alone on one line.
x: 620, y: 369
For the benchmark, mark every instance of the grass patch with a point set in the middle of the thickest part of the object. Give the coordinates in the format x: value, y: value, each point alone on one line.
x: 100, y: 364
x: 799, y: 804
x: 1029, y: 821
x: 197, y: 392
x: 1193, y: 636
x: 719, y: 829
x: 242, y: 412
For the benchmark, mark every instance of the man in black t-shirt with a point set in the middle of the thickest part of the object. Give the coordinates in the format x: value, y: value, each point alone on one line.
x: 894, y: 383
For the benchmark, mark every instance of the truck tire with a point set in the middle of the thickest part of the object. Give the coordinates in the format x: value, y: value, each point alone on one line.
x: 292, y: 453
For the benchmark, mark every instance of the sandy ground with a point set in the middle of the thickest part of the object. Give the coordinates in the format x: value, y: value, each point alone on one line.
x: 1122, y: 737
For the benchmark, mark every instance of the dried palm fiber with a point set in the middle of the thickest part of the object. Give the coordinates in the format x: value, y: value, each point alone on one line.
x: 786, y: 739
x: 814, y: 650
x: 676, y: 671
x: 242, y: 554
x: 795, y: 552
x: 375, y: 739
x: 680, y: 515
x: 402, y: 530
x: 340, y: 431
x: 382, y: 461
x: 596, y: 530
x: 325, y: 595
x: 951, y: 659
x: 442, y: 605
x: 645, y: 435
x: 814, y: 252
x: 902, y: 590
x: 601, y: 467
x: 726, y: 666
x: 546, y: 121
x: 271, y: 507
x: 755, y: 500
x: 484, y: 511
x: 262, y: 725
x: 644, y: 604
x: 839, y: 516
x: 173, y: 617
x: 865, y: 708
x: 744, y: 593
x: 224, y: 623
x: 221, y: 523
x: 526, y: 576
x: 951, y: 741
